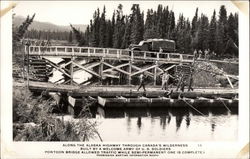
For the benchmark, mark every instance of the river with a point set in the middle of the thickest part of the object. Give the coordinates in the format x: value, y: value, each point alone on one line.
x: 162, y: 124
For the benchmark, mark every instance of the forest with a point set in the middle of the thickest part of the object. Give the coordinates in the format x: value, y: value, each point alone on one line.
x: 218, y: 33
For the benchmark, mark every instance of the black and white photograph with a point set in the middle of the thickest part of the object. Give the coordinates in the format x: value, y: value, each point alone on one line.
x: 126, y: 72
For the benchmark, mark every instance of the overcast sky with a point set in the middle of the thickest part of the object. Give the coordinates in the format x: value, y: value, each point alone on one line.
x: 80, y: 12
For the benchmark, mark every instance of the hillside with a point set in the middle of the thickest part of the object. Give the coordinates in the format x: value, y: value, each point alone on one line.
x: 45, y: 26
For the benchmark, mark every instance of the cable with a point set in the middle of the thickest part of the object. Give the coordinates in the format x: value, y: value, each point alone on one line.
x: 193, y: 107
x: 225, y: 105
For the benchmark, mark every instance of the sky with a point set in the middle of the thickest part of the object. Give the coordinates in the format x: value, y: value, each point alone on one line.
x: 80, y: 12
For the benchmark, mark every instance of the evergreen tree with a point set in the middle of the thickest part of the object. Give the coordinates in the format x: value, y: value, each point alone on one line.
x: 150, y: 30
x: 22, y: 29
x: 126, y: 38
x: 79, y: 37
x: 70, y: 37
x: 203, y: 32
x: 137, y: 24
x: 172, y: 34
x: 222, y: 31
x: 194, y: 30
x: 195, y: 22
x: 212, y: 33
x: 102, y: 32
x: 119, y: 28
x: 180, y: 28
x: 232, y: 43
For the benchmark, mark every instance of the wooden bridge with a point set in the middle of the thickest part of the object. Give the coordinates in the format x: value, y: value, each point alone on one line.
x: 106, y: 62
x: 124, y: 64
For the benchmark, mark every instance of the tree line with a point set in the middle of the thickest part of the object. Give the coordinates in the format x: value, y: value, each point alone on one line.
x: 219, y: 34
x: 47, y: 35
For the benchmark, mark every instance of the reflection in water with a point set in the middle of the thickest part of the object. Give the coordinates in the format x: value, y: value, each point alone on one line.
x: 178, y: 122
x: 212, y: 127
x: 188, y: 119
x: 128, y: 124
x: 139, y: 124
x: 162, y: 124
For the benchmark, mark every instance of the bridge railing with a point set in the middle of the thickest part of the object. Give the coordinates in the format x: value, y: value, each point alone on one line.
x: 106, y: 52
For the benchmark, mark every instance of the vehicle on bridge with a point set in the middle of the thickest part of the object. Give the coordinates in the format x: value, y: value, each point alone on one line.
x: 154, y: 45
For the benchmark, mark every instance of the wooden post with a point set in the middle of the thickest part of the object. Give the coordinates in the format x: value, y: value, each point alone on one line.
x: 155, y: 72
x: 28, y: 63
x: 230, y: 82
x: 129, y: 70
x: 101, y: 70
x: 88, y: 52
x: 71, y: 71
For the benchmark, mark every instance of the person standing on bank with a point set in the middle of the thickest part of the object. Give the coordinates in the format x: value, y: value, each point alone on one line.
x: 142, y: 82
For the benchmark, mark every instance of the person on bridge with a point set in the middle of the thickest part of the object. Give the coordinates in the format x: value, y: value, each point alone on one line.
x: 181, y: 83
x: 161, y: 50
x: 142, y: 82
x: 195, y: 54
x: 191, y: 80
x: 165, y: 79
x: 200, y: 54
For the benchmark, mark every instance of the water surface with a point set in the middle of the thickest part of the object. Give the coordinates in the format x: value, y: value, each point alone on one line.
x: 164, y: 124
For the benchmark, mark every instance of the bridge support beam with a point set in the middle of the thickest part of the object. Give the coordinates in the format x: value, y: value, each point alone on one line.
x: 71, y: 70
x: 101, y: 70
x: 155, y: 72
x: 129, y: 70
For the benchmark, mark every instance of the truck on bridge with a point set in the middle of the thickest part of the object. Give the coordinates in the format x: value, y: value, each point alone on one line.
x: 154, y: 45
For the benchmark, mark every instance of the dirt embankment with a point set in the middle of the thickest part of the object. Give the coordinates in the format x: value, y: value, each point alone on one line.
x: 208, y: 74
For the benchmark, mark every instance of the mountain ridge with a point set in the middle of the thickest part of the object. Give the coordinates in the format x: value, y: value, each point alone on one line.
x: 47, y: 26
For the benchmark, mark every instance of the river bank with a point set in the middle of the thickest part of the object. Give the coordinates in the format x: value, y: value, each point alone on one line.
x: 34, y: 119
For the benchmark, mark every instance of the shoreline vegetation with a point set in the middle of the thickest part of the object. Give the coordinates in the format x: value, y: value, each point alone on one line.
x: 34, y: 120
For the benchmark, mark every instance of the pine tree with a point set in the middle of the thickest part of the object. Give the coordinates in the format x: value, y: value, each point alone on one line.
x: 180, y: 34
x: 119, y: 28
x: 232, y: 36
x: 137, y: 24
x: 126, y: 38
x: 195, y: 23
x: 150, y: 30
x: 222, y: 31
x: 22, y: 29
x: 79, y: 36
x: 203, y: 32
x: 102, y: 31
x: 109, y: 34
x: 70, y: 37
x: 172, y: 34
x: 212, y: 42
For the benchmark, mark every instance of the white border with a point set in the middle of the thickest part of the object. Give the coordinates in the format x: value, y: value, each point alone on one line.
x: 11, y: 149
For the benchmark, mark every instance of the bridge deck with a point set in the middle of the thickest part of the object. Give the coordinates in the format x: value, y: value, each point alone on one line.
x: 128, y: 91
x: 108, y: 53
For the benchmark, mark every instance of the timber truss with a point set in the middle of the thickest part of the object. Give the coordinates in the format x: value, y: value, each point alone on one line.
x: 102, y: 69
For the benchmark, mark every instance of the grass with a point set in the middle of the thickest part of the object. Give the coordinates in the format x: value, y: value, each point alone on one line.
x: 33, y: 122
